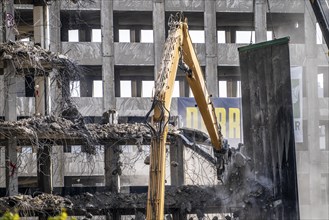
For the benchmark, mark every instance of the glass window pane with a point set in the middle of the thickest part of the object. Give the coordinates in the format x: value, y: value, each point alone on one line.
x: 96, y: 35
x: 221, y: 38
x: 176, y: 89
x: 238, y: 93
x: 147, y: 88
x: 146, y: 36
x: 125, y: 88
x: 97, y: 88
x: 318, y: 34
x: 197, y: 36
x: 243, y: 37
x: 124, y: 35
x: 320, y: 86
x: 222, y: 89
x: 269, y: 35
x: 73, y: 35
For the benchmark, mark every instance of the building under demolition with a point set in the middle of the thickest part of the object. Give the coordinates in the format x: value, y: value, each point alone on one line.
x: 76, y: 82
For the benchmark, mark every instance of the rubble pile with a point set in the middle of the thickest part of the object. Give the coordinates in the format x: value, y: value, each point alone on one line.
x: 26, y: 55
x: 52, y: 127
x: 29, y: 205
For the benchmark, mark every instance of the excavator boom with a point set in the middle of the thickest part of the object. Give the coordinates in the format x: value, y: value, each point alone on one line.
x: 178, y: 51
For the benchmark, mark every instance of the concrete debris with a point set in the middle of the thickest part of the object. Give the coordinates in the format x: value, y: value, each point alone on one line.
x: 57, y: 128
x: 26, y: 55
x: 40, y: 203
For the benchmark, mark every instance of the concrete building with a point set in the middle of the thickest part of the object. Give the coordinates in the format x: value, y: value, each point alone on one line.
x: 119, y: 43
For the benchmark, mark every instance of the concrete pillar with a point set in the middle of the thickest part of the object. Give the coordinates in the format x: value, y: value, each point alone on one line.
x: 10, y: 103
x: 44, y: 168
x: 311, y: 71
x: 41, y: 37
x: 177, y: 163
x: 112, y: 171
x: 260, y: 21
x: 111, y: 154
x: 2, y: 167
x: 211, y: 47
x: 58, y: 166
x: 108, y: 55
x: 55, y: 46
x: 159, y: 36
x: 2, y: 29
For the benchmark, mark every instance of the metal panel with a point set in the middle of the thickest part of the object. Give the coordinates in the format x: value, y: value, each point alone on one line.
x: 85, y: 53
x: 134, y: 54
x: 184, y: 5
x: 268, y: 123
x: 132, y: 5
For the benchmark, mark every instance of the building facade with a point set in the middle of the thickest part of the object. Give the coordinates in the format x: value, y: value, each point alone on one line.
x: 119, y: 44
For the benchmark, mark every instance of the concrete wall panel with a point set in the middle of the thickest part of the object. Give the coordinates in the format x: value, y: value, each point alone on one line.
x: 82, y: 5
x: 200, y: 50
x: 85, y: 53
x: 282, y: 6
x: 297, y: 54
x: 79, y: 164
x: 184, y: 5
x: 234, y: 5
x: 25, y: 106
x: 134, y: 54
x: 132, y: 5
x: 89, y: 106
x: 139, y: 106
x: 228, y: 54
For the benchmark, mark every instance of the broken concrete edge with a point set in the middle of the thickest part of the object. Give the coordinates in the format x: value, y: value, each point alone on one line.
x: 54, y: 127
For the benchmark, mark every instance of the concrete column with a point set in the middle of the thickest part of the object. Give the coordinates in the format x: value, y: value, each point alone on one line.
x: 44, y: 167
x: 58, y: 166
x: 158, y: 32
x: 211, y: 47
x: 112, y: 171
x: 311, y: 71
x: 177, y: 163
x: 260, y: 21
x: 10, y: 103
x: 108, y: 55
x: 2, y: 29
x: 41, y: 36
x: 55, y: 46
x: 2, y: 167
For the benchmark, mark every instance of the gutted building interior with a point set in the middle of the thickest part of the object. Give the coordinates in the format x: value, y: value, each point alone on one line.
x: 76, y: 82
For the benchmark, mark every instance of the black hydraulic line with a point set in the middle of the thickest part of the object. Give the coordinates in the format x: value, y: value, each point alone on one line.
x: 321, y: 11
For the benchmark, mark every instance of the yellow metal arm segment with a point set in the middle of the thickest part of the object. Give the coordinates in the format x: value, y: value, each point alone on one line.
x: 178, y: 46
x: 197, y: 83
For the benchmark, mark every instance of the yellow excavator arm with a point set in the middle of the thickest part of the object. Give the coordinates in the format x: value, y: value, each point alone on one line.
x: 178, y: 52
